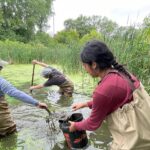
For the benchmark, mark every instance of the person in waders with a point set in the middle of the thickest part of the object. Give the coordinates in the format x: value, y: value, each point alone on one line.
x: 7, y: 125
x: 54, y: 77
x: 119, y: 98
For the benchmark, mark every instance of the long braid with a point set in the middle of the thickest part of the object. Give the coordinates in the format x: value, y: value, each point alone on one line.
x: 120, y: 68
x: 97, y: 51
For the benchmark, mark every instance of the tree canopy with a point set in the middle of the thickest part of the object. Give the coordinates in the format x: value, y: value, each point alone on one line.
x: 83, y: 25
x: 19, y: 19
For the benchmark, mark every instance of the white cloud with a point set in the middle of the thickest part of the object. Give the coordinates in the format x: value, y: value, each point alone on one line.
x: 117, y: 10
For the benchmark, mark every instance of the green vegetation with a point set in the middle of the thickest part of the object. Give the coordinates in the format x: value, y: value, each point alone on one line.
x: 19, y: 19
x: 130, y: 44
x: 20, y: 76
x: 22, y: 38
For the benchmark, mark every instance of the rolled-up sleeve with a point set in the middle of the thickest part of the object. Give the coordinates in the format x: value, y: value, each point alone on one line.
x: 10, y: 90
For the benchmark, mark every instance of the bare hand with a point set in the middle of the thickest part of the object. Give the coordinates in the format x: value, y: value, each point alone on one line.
x: 34, y: 61
x: 31, y: 88
x: 42, y: 105
x: 78, y: 106
x: 72, y: 126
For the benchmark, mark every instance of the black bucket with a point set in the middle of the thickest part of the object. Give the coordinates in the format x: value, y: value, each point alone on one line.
x: 77, y: 139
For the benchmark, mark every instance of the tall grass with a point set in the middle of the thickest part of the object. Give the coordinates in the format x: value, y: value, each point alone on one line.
x: 134, y: 51
x: 17, y: 52
x: 130, y: 49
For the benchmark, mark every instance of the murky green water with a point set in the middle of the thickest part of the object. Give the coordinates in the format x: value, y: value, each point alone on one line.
x: 33, y: 133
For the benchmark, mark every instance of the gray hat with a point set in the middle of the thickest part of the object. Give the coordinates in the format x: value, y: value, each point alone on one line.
x: 46, y: 72
x: 3, y: 63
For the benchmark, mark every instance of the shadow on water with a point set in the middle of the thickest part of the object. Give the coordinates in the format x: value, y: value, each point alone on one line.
x: 33, y: 132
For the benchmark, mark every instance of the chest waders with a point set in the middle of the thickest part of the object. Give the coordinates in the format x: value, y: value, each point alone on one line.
x: 66, y: 88
x: 7, y: 124
x: 130, y: 124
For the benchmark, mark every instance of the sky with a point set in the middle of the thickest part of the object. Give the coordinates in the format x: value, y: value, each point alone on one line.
x: 123, y: 12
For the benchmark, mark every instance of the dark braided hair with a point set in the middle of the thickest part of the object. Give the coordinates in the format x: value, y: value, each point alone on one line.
x: 97, y: 51
x: 121, y: 69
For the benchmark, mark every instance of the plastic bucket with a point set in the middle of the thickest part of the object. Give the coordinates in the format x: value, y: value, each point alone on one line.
x: 77, y: 139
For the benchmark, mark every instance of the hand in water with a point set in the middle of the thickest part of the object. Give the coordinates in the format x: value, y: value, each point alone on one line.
x: 49, y: 112
x: 42, y: 105
x: 31, y: 88
x: 79, y: 105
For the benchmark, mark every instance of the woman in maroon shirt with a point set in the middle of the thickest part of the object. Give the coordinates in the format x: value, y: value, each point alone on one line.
x: 114, y: 90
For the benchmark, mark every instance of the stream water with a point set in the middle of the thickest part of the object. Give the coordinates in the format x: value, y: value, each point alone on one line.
x: 33, y: 133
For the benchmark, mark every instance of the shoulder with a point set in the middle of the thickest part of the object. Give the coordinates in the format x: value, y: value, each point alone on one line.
x: 2, y: 80
x: 109, y: 83
x: 116, y: 77
x: 113, y: 82
x: 49, y: 67
x: 52, y: 69
x: 111, y: 79
x: 4, y: 83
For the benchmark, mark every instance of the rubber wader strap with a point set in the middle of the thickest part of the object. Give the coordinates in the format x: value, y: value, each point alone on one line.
x: 124, y: 77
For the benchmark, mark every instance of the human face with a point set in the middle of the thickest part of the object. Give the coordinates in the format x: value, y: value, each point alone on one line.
x: 89, y: 69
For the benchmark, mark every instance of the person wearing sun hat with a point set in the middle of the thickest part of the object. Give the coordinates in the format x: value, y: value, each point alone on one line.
x: 54, y: 77
x: 7, y: 125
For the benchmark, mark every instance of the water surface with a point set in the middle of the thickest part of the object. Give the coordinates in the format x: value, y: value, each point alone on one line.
x: 33, y: 133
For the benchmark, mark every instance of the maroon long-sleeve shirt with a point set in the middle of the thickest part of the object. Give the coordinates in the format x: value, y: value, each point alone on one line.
x: 111, y: 93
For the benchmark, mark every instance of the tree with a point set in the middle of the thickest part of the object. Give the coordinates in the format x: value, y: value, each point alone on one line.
x: 44, y: 38
x: 23, y: 16
x: 91, y: 36
x: 105, y: 26
x: 146, y: 22
x: 82, y: 25
x: 67, y: 36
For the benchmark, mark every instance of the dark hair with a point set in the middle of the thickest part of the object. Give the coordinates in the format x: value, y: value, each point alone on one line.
x: 97, y: 51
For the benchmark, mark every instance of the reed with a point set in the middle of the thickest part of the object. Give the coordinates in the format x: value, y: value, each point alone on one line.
x: 130, y: 49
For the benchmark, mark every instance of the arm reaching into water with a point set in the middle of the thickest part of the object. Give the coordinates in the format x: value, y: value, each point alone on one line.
x: 40, y: 63
x: 36, y: 87
x: 82, y: 105
x: 79, y: 105
x: 76, y: 107
x: 9, y: 89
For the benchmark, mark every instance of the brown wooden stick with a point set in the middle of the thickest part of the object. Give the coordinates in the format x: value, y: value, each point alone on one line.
x: 32, y: 77
x: 49, y: 112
